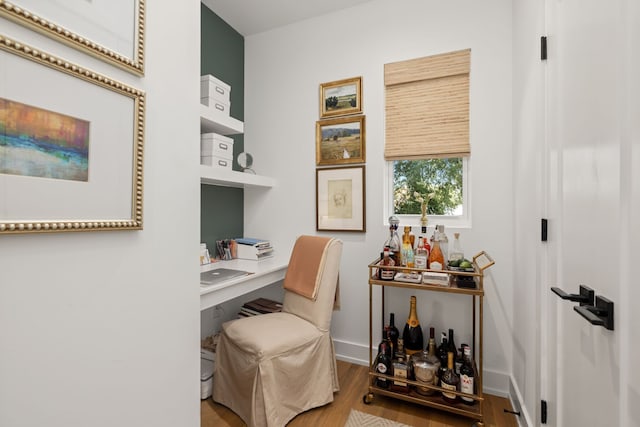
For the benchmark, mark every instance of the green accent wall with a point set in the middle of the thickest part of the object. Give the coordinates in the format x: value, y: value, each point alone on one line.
x: 222, y: 55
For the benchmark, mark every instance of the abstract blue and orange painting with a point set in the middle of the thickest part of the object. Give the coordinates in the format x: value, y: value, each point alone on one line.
x: 41, y: 143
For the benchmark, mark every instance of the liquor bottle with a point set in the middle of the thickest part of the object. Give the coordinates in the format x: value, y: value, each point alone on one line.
x: 421, y: 256
x: 407, y: 249
x: 456, y: 254
x: 436, y: 258
x: 450, y: 381
x: 451, y: 348
x: 400, y: 370
x: 412, y: 333
x: 426, y: 366
x: 442, y: 354
x: 387, y: 261
x: 393, y: 242
x: 383, y: 366
x: 444, y: 242
x: 393, y: 334
x: 467, y: 377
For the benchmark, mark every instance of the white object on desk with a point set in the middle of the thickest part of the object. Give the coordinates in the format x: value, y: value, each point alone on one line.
x: 265, y: 273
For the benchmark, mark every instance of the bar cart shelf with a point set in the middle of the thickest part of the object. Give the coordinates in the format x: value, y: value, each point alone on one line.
x: 481, y: 262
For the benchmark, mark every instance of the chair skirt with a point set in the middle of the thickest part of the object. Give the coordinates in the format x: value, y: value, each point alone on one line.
x: 271, y: 367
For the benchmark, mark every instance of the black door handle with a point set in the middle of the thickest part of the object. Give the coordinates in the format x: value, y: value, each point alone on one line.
x: 585, y: 297
x: 601, y: 314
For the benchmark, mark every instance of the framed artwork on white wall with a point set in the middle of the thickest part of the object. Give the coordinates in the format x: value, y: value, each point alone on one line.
x: 71, y: 146
x: 110, y: 30
x: 340, y: 199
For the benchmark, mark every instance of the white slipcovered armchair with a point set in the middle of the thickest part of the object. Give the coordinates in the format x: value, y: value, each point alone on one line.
x: 271, y: 367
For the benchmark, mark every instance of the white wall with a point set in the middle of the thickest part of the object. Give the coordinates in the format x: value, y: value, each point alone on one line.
x: 283, y: 70
x: 101, y: 328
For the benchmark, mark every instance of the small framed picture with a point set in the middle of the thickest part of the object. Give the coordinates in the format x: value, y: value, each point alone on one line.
x: 341, y: 97
x: 340, y: 199
x: 340, y: 141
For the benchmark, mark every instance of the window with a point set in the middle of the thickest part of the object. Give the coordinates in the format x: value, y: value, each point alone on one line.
x: 427, y: 136
x: 444, y: 179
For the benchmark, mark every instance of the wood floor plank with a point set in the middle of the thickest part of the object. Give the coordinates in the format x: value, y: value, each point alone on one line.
x: 353, y: 386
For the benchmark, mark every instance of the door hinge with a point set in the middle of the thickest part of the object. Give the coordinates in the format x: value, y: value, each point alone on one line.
x: 543, y: 48
x: 543, y: 412
x: 543, y: 229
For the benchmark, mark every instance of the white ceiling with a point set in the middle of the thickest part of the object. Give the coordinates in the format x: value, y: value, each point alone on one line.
x: 255, y: 16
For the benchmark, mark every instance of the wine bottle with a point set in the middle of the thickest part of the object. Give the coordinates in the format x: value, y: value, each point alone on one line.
x: 412, y: 333
x: 442, y: 354
x: 387, y: 343
x: 436, y: 258
x: 383, y: 366
x: 393, y: 334
x: 467, y: 377
x: 451, y: 347
x: 450, y: 381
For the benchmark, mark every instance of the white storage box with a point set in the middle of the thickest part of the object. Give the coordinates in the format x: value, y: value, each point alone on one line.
x: 212, y: 144
x: 220, y: 107
x: 213, y: 88
x: 216, y: 162
x: 207, y: 366
x: 434, y: 278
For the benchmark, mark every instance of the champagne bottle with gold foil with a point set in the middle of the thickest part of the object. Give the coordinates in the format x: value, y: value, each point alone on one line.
x: 412, y: 333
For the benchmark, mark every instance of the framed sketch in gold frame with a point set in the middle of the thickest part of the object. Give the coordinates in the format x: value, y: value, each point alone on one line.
x: 340, y: 98
x: 340, y: 199
x: 110, y: 30
x: 341, y: 140
x: 57, y: 116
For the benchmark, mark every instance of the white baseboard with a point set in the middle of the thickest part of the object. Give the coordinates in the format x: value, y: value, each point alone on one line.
x: 524, y: 420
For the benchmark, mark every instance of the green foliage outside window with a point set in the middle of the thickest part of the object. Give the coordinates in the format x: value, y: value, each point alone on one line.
x: 442, y: 177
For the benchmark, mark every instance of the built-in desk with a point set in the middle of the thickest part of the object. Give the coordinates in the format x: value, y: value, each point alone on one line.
x: 265, y: 272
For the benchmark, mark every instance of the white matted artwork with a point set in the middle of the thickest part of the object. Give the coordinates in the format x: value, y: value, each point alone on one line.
x: 340, y: 199
x: 110, y: 30
x: 109, y: 195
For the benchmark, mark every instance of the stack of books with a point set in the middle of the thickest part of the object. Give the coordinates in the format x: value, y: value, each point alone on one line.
x: 254, y: 249
x: 259, y: 306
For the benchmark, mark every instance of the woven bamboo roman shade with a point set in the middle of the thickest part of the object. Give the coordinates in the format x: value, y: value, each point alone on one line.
x: 427, y: 107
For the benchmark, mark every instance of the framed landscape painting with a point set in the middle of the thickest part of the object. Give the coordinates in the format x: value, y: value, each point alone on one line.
x: 340, y: 98
x: 340, y: 141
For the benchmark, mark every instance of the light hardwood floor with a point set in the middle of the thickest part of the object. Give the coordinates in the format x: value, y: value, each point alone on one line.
x: 353, y: 386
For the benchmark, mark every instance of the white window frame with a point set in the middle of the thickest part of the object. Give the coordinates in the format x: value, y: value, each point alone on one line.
x: 450, y: 221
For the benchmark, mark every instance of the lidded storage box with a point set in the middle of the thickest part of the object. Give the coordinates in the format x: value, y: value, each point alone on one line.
x: 216, y: 150
x: 215, y: 93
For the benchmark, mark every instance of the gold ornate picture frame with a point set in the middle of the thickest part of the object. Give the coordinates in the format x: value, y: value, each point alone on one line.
x: 111, y: 197
x: 341, y: 140
x: 341, y: 97
x: 111, y: 31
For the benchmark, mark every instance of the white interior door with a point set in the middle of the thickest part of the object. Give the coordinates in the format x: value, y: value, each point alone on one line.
x: 590, y: 44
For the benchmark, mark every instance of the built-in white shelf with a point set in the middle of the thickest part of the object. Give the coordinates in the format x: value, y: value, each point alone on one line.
x: 211, y: 175
x: 212, y: 120
x: 263, y: 273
